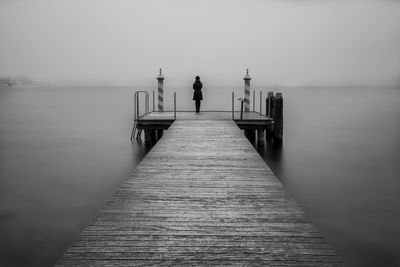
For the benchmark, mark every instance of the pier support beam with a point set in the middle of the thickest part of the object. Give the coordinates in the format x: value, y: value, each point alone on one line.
x: 269, y: 133
x: 251, y: 135
x: 153, y: 137
x: 150, y: 137
x: 159, y: 134
x: 260, y: 138
x: 147, y: 138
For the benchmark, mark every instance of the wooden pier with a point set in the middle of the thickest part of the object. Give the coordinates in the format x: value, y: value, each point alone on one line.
x: 253, y: 123
x: 202, y: 196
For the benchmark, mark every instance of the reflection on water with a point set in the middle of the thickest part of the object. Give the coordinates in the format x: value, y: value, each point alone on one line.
x: 63, y: 151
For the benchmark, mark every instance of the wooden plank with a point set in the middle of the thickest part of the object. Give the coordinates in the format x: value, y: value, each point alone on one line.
x: 202, y: 196
x: 180, y: 262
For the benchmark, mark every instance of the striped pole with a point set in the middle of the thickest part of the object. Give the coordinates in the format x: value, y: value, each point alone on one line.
x: 160, y: 79
x: 247, y: 91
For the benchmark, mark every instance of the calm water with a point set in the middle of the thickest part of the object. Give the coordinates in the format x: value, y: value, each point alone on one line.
x: 63, y: 152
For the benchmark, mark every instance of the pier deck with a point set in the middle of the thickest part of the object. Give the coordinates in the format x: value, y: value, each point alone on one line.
x: 205, y: 115
x: 162, y: 120
x: 201, y: 196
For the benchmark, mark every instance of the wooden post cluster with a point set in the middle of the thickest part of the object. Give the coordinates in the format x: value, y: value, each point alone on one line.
x: 269, y: 112
x: 269, y: 104
x: 254, y: 135
x: 272, y: 133
x: 274, y: 110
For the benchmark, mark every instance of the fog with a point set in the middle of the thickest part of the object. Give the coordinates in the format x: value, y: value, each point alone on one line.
x: 124, y: 42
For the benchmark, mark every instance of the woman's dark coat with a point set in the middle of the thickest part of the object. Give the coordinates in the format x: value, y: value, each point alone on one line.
x: 197, y: 95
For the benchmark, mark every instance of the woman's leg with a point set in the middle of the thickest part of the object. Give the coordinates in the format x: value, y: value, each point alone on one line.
x: 197, y: 105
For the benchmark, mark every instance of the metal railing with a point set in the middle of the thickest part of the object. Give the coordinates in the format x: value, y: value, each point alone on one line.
x: 233, y: 106
x: 136, y: 110
x: 154, y: 109
x: 241, y: 104
x: 137, y: 106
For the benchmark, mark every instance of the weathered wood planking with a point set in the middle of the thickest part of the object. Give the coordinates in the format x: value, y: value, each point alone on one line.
x: 201, y: 196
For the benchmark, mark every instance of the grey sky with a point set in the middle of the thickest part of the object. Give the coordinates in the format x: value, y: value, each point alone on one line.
x: 285, y: 42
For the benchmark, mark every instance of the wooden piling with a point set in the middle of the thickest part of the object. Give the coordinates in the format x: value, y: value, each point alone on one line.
x: 251, y: 135
x: 153, y: 136
x: 147, y: 138
x: 247, y: 134
x: 159, y: 134
x: 150, y: 137
x: 278, y: 117
x: 269, y: 134
x: 260, y: 137
x: 269, y: 104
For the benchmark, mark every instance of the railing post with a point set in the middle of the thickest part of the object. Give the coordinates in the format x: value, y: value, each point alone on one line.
x: 233, y: 106
x: 146, y: 110
x: 260, y: 102
x: 254, y: 101
x: 241, y: 108
x: 154, y: 108
x: 174, y: 105
x: 134, y: 106
x: 137, y: 105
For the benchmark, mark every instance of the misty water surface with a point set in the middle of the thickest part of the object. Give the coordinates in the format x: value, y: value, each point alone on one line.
x: 63, y: 152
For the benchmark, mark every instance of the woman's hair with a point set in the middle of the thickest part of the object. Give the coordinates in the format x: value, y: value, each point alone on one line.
x: 197, y: 78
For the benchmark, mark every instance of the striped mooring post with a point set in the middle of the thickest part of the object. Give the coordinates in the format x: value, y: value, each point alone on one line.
x: 247, y: 91
x: 160, y: 79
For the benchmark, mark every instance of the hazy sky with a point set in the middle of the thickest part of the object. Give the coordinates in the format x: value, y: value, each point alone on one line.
x: 124, y: 42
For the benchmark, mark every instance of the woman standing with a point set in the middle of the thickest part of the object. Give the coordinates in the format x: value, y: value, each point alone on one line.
x: 197, y: 95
